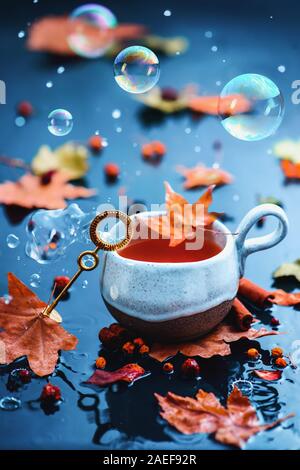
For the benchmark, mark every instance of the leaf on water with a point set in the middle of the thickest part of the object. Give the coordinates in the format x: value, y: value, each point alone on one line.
x: 127, y: 373
x: 69, y: 158
x: 215, y: 343
x: 27, y: 332
x: 232, y: 425
x: 29, y: 191
x: 200, y: 175
x: 156, y: 99
x: 269, y: 375
x: 288, y: 270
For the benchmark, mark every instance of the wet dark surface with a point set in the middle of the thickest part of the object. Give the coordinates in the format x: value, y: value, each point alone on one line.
x: 250, y: 41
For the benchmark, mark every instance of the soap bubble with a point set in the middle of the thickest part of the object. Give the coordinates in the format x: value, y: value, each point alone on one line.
x: 10, y: 403
x: 51, y: 232
x: 89, y: 30
x: 251, y: 107
x: 136, y: 69
x: 12, y: 241
x: 35, y: 280
x: 60, y: 122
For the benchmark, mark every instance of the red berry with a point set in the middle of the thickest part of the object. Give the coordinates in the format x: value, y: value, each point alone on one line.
x: 190, y: 368
x: 128, y: 348
x: 47, y: 177
x: 25, y: 376
x: 275, y: 321
x: 96, y: 143
x: 61, y: 282
x: 50, y: 393
x: 169, y: 94
x: 138, y: 342
x: 112, y: 170
x: 25, y: 109
x: 153, y: 150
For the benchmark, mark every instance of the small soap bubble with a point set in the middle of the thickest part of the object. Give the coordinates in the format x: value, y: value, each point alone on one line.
x: 35, y: 280
x: 136, y: 69
x: 253, y: 108
x: 244, y: 386
x: 188, y: 130
x: 167, y: 13
x: 21, y: 34
x: 60, y: 70
x: 116, y: 114
x: 119, y: 130
x: 84, y: 284
x: 281, y: 68
x: 49, y: 84
x: 208, y: 34
x: 197, y: 148
x: 218, y: 83
x: 10, y: 403
x: 214, y: 48
x: 88, y: 22
x: 60, y: 122
x: 12, y: 241
x: 20, y: 121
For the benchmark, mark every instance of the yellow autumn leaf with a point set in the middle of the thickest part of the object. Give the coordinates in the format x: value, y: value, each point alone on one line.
x: 288, y: 150
x: 70, y: 158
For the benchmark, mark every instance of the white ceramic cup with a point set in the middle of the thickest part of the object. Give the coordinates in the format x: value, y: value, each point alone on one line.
x: 180, y: 301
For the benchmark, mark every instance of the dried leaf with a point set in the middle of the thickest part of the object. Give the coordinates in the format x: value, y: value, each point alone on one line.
x: 182, y: 219
x: 288, y: 150
x: 215, y: 343
x: 29, y: 192
x: 154, y: 99
x: 232, y: 425
x: 288, y: 270
x: 69, y: 158
x: 27, y: 332
x: 269, y: 375
x: 291, y: 170
x: 127, y: 373
x: 50, y: 34
x: 215, y: 105
x: 200, y: 175
x: 262, y: 298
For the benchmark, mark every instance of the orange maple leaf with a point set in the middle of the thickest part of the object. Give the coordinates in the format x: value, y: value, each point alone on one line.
x: 50, y: 34
x: 200, y: 175
x: 291, y: 170
x: 27, y: 332
x: 182, y: 219
x: 229, y: 105
x: 29, y: 192
x: 232, y: 425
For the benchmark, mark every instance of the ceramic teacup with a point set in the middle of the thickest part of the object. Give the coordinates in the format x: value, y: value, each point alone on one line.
x: 185, y: 300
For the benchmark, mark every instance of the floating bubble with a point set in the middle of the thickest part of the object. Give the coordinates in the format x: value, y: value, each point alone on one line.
x: 51, y: 232
x: 10, y: 403
x: 60, y: 70
x: 116, y: 114
x: 21, y: 34
x: 12, y: 241
x: 208, y: 34
x: 49, y: 84
x: 60, y: 122
x: 20, y: 121
x: 251, y: 107
x: 35, y: 280
x: 167, y: 13
x: 136, y: 69
x: 281, y: 68
x: 90, y: 30
x: 84, y: 284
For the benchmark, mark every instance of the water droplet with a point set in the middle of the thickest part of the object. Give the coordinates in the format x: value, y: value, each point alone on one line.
x: 35, y: 280
x: 188, y: 130
x: 167, y: 13
x: 116, y: 114
x: 20, y: 121
x: 60, y: 70
x: 208, y: 34
x: 12, y: 241
x: 60, y: 122
x: 281, y: 68
x: 244, y: 386
x: 119, y: 129
x: 10, y: 403
x: 136, y: 69
x: 21, y: 34
x: 84, y: 284
x: 214, y: 48
x: 7, y: 299
x: 49, y: 84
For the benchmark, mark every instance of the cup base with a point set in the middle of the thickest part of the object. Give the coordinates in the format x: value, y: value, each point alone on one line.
x: 184, y: 328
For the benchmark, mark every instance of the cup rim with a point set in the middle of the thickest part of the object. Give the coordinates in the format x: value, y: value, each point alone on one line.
x: 229, y: 237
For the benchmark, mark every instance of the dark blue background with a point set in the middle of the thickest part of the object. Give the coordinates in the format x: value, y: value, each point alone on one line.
x: 250, y: 41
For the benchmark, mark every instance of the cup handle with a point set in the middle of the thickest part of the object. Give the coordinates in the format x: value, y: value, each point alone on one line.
x: 246, y: 247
